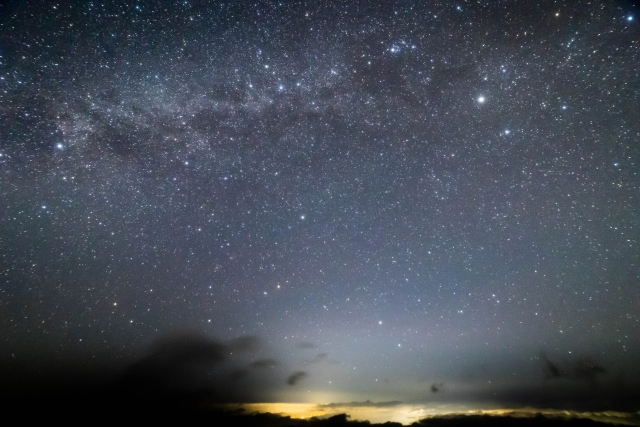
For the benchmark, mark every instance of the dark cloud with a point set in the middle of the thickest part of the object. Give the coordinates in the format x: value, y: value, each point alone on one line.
x: 199, y: 415
x: 587, y: 369
x: 568, y: 392
x: 180, y: 367
x: 530, y: 420
x: 296, y: 377
x: 238, y: 374
x: 582, y: 369
x: 320, y: 357
x: 244, y: 344
x: 551, y: 370
x: 183, y: 361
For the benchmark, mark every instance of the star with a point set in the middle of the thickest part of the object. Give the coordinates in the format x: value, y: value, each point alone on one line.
x: 178, y: 195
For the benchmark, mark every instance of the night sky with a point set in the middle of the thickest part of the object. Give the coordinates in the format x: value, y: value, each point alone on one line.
x: 433, y: 203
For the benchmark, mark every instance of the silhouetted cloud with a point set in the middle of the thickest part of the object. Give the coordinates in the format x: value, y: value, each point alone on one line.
x: 583, y: 369
x: 238, y: 374
x: 187, y: 369
x: 245, y: 343
x: 551, y: 370
x: 296, y: 377
x: 587, y: 369
x: 320, y: 357
x: 183, y: 361
x: 535, y: 419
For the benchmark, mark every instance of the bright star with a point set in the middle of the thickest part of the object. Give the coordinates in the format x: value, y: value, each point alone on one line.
x: 481, y: 99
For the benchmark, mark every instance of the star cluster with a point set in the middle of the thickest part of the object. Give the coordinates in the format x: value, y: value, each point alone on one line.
x: 434, y: 187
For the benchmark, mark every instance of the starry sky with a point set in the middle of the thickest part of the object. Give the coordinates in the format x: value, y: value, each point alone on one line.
x: 419, y: 202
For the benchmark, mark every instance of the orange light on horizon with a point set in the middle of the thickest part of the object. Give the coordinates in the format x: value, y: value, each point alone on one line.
x: 410, y: 413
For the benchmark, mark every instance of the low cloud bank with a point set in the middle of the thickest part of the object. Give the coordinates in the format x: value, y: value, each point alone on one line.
x: 367, y: 404
x: 187, y: 371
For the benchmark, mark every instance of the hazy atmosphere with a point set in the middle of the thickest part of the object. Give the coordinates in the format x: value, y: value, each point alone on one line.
x: 400, y: 208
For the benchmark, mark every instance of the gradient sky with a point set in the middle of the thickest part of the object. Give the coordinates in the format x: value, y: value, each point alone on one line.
x: 418, y: 202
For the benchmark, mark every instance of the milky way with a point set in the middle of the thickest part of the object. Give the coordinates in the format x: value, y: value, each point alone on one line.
x: 402, y: 201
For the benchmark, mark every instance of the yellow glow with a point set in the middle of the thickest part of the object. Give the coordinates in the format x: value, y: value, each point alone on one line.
x: 407, y: 414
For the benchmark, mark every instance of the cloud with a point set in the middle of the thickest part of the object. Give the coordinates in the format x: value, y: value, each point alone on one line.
x: 188, y: 362
x: 238, y: 374
x: 587, y: 369
x: 245, y: 343
x: 365, y: 404
x: 551, y: 370
x: 178, y: 365
x: 177, y: 374
x: 583, y: 369
x: 296, y: 377
x: 320, y: 357
x: 528, y: 418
